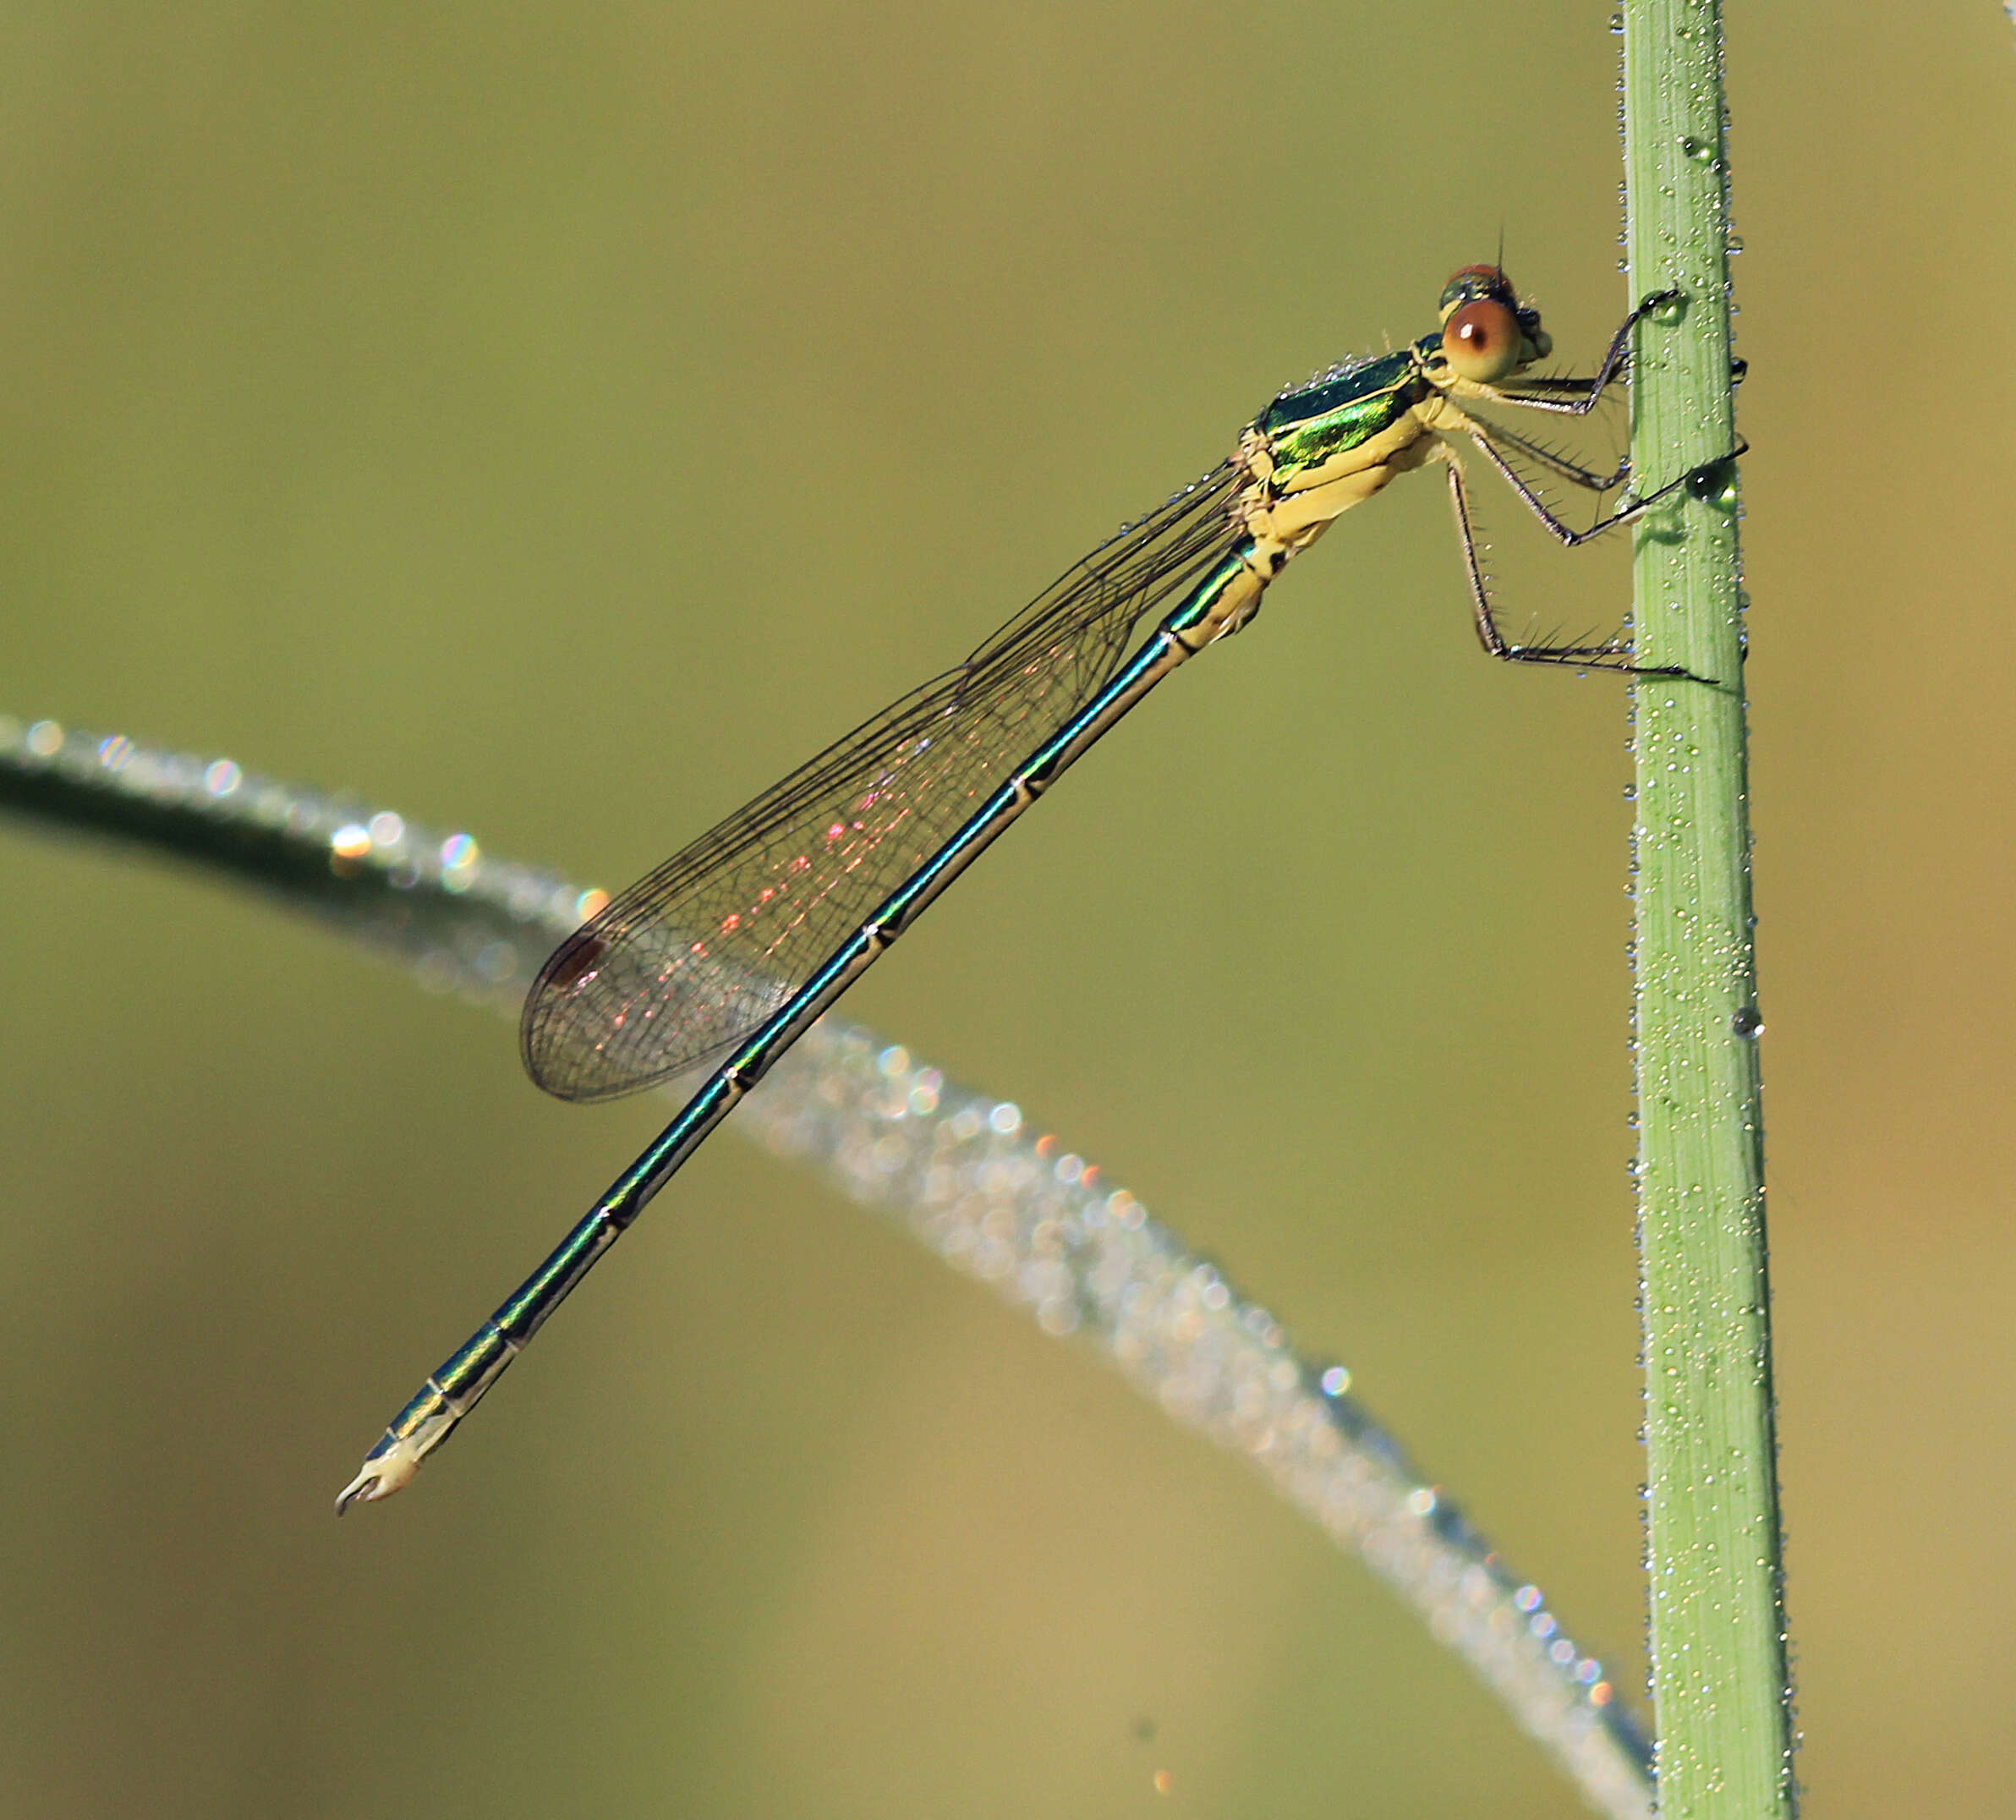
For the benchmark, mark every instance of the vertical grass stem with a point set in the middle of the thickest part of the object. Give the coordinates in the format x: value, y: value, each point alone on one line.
x: 1721, y: 1689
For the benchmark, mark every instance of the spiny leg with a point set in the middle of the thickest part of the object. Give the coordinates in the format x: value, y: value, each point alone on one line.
x: 1558, y: 464
x: 1485, y: 439
x: 1487, y: 435
x: 1611, y: 655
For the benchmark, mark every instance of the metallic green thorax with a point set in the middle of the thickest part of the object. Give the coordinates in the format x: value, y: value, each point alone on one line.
x: 1340, y: 412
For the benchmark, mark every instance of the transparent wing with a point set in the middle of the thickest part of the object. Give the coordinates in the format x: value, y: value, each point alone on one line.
x: 694, y: 957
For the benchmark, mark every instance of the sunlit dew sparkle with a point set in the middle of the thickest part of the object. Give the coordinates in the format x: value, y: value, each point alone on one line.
x: 459, y: 854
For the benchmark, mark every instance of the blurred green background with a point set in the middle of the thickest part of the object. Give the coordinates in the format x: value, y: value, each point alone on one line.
x: 558, y: 425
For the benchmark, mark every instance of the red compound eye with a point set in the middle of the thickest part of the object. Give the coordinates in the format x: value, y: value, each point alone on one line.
x: 1482, y: 340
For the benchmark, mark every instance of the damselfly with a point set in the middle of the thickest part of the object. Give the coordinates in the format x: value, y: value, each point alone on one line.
x: 726, y: 954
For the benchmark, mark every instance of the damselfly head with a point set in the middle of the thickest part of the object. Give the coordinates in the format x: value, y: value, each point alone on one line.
x: 1487, y: 332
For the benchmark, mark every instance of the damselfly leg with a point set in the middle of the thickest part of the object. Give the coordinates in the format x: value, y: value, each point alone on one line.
x: 1565, y: 397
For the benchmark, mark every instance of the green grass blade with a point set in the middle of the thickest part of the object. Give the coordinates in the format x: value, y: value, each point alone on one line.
x: 1721, y: 1688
